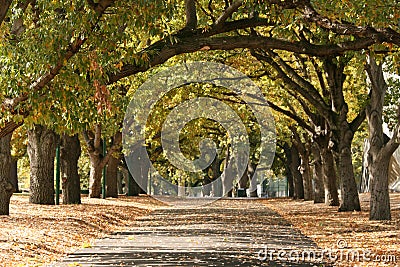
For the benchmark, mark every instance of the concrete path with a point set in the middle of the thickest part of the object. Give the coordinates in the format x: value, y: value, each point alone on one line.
x: 225, y: 233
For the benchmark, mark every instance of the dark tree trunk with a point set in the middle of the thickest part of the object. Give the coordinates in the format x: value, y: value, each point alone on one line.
x: 319, y: 191
x: 297, y: 178
x: 251, y: 168
x: 70, y: 151
x: 305, y: 171
x: 329, y: 177
x: 349, y: 192
x: 380, y: 152
x: 206, y: 188
x: 288, y: 172
x: 120, y: 182
x: 344, y: 132
x: 6, y: 188
x: 243, y: 182
x: 14, y: 174
x: 112, y: 177
x: 304, y: 151
x: 380, y: 201
x: 133, y: 189
x: 42, y: 144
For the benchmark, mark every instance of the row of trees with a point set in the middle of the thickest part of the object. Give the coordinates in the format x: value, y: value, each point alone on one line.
x: 70, y: 68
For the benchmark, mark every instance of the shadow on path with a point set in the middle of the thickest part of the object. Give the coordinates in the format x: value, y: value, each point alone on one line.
x: 225, y: 233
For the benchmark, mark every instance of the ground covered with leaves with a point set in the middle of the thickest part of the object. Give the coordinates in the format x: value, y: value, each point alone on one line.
x: 34, y: 235
x: 351, y: 231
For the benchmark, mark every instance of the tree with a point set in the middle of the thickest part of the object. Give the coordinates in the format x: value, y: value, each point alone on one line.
x: 61, y: 40
x: 380, y: 152
x: 333, y: 108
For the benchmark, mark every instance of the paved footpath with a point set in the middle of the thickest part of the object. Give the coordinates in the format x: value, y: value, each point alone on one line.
x: 224, y: 233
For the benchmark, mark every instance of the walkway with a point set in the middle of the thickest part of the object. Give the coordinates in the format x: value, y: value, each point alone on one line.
x: 225, y: 233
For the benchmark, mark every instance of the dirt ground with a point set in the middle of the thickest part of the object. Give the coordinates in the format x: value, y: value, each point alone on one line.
x: 352, y: 230
x: 34, y: 235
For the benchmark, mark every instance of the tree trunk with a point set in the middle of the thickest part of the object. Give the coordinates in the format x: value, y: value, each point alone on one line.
x: 305, y: 171
x: 14, y: 174
x: 207, y: 187
x: 227, y: 176
x: 6, y: 188
x: 120, y: 182
x: 216, y: 186
x: 380, y: 151
x: 344, y: 132
x: 41, y: 151
x: 133, y: 189
x: 380, y: 201
x: 297, y: 178
x: 244, y: 180
x: 319, y: 192
x: 349, y: 192
x: 329, y: 178
x: 288, y: 172
x: 251, y: 168
x: 112, y: 177
x: 96, y: 172
x: 70, y: 151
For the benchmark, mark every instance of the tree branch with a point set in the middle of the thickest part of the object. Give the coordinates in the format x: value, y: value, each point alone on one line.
x: 291, y: 115
x: 375, y: 34
x: 114, y: 148
x: 228, y: 12
x: 163, y: 50
x: 320, y: 105
x: 4, y: 6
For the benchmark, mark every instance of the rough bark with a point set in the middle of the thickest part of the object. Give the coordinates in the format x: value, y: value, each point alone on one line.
x: 132, y: 188
x: 6, y: 188
x: 319, y: 191
x: 97, y: 159
x: 349, y: 192
x: 380, y: 152
x: 304, y: 168
x: 70, y: 151
x: 96, y: 171
x: 344, y: 133
x: 297, y: 178
x: 14, y: 174
x: 112, y: 177
x: 329, y: 177
x: 42, y: 144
